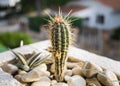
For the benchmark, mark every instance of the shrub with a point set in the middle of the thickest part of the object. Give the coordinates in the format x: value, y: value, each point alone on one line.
x: 55, y: 2
x: 12, y: 40
x: 36, y: 22
x: 2, y: 48
x: 116, y: 34
x: 76, y: 22
x: 27, y: 7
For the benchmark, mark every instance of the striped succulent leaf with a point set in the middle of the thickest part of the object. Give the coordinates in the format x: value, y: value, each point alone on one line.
x: 20, y: 57
x: 32, y: 62
x: 39, y: 61
x: 33, y: 59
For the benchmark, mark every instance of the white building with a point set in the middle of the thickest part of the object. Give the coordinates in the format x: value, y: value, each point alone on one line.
x: 10, y: 3
x: 101, y: 14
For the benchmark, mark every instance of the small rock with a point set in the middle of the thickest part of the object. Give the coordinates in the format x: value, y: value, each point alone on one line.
x: 73, y: 59
x: 81, y: 64
x: 67, y: 77
x: 7, y: 80
x: 18, y: 77
x: 52, y: 69
x: 51, y: 76
x: 44, y: 81
x: 90, y: 69
x: 108, y: 78
x: 60, y: 84
x: 76, y: 80
x: 10, y: 68
x: 71, y: 65
x: 34, y: 75
x: 91, y: 84
x: 45, y: 78
x: 41, y: 83
x: 118, y: 76
x: 53, y: 82
x: 93, y: 81
x: 77, y: 71
x: 41, y: 67
x: 68, y: 72
x: 21, y: 72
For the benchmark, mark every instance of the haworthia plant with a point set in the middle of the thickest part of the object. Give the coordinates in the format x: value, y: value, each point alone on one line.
x: 60, y: 39
x: 31, y: 63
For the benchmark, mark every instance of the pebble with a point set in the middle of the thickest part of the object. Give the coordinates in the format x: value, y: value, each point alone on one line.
x: 10, y: 68
x: 108, y: 78
x: 34, y: 75
x: 93, y: 81
x: 77, y: 71
x: 60, y: 84
x: 44, y: 81
x: 76, y: 80
x: 90, y: 69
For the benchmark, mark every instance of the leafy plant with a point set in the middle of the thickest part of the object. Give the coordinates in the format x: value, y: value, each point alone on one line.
x: 31, y: 63
x: 55, y: 3
x: 12, y: 39
x: 36, y: 22
x: 76, y: 22
x: 116, y: 34
x: 27, y: 7
x: 3, y: 48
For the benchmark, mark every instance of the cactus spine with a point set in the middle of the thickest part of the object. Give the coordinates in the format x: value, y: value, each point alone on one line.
x: 60, y: 40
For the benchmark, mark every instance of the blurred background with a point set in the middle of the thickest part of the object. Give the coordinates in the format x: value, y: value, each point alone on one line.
x: 95, y: 23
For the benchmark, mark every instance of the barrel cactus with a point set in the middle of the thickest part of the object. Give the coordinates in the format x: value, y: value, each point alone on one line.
x: 60, y: 35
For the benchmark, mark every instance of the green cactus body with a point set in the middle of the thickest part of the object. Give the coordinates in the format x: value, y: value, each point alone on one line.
x: 60, y: 40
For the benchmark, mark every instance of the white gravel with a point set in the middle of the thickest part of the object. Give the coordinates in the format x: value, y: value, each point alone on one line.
x: 105, y: 62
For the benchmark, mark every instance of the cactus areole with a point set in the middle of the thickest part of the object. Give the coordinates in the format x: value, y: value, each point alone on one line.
x: 60, y: 39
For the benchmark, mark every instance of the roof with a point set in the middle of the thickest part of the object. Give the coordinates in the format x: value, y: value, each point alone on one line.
x: 68, y: 8
x: 111, y: 3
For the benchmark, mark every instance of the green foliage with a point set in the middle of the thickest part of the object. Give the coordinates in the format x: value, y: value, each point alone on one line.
x: 12, y: 39
x: 27, y: 6
x: 3, y: 8
x: 2, y: 48
x: 36, y: 22
x: 57, y: 3
x: 116, y: 34
x: 43, y: 4
x: 76, y: 22
x: 9, y: 13
x: 34, y: 61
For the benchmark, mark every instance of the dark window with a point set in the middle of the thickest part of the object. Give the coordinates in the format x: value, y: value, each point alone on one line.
x: 100, y: 19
